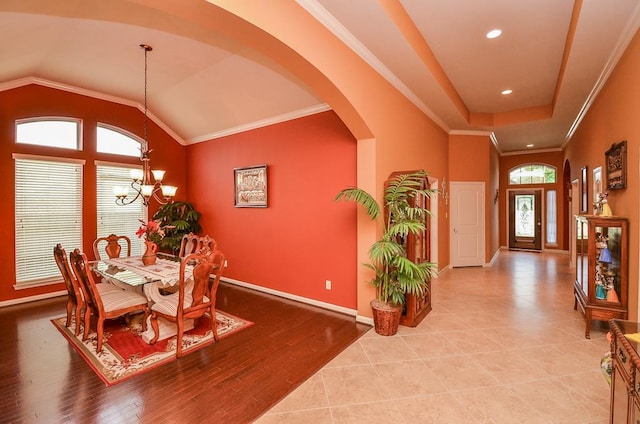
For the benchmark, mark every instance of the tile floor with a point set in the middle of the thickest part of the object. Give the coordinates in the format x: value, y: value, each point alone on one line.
x: 502, y: 345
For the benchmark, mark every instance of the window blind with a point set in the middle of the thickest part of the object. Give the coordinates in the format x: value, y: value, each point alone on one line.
x: 48, y: 209
x: 113, y: 218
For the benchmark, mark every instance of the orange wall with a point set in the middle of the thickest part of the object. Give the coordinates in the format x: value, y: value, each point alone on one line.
x: 613, y: 117
x: 507, y: 163
x: 303, y: 237
x: 34, y: 101
x: 473, y: 158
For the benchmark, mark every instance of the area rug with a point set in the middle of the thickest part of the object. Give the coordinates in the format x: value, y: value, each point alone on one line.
x: 125, y: 354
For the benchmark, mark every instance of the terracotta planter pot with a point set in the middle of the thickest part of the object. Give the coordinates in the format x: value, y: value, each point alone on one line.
x: 386, y: 318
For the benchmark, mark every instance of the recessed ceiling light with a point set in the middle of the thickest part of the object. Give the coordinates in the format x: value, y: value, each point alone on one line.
x: 494, y: 33
x: 507, y: 92
x: 529, y: 145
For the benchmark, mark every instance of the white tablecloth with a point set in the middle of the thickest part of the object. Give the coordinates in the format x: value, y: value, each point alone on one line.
x: 164, y: 272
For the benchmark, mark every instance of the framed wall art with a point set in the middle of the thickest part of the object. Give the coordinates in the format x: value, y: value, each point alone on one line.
x: 250, y: 186
x: 616, y: 166
x: 597, y: 185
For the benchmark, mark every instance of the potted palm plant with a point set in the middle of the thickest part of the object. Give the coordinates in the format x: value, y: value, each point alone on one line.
x: 395, y: 275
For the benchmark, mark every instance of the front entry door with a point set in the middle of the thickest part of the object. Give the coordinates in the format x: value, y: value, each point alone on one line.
x: 525, y: 220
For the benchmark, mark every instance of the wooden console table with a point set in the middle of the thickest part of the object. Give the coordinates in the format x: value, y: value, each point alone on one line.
x: 625, y: 377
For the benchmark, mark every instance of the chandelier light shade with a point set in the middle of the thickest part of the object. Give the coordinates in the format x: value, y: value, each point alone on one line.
x: 146, y: 182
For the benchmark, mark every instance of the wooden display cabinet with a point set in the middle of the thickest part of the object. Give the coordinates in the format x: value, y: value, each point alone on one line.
x: 600, y: 287
x: 418, y: 250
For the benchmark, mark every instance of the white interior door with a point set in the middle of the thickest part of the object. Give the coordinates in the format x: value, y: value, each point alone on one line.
x: 467, y: 224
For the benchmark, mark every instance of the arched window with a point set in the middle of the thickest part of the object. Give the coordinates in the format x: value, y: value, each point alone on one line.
x: 52, y: 132
x: 533, y: 174
x: 116, y: 141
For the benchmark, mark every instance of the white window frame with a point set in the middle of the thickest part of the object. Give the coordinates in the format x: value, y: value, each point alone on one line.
x: 48, y: 210
x: 520, y: 169
x: 122, y: 137
x: 49, y: 135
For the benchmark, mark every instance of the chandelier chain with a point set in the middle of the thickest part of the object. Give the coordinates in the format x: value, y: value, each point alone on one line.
x: 146, y: 49
x: 146, y: 183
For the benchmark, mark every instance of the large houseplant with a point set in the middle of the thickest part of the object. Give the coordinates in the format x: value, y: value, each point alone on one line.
x: 177, y: 218
x: 395, y: 274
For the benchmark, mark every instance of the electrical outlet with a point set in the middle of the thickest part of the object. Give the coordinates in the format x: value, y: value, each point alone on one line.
x: 327, y: 284
x: 225, y: 263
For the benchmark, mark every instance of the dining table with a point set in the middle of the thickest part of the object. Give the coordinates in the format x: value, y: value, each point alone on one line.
x: 154, y: 280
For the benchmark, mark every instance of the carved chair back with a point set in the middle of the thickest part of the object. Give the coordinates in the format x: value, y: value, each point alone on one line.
x: 113, y: 245
x: 75, y: 298
x: 80, y: 267
x: 192, y: 243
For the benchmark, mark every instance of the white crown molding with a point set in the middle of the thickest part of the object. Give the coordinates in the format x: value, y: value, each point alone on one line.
x: 332, y: 24
x: 262, y: 123
x: 490, y: 134
x: 531, y: 152
x: 494, y: 140
x: 626, y: 36
x: 471, y: 132
x: 21, y: 82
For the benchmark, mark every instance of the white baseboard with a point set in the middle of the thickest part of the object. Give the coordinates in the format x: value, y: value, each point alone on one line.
x: 545, y: 250
x: 364, y: 320
x: 324, y: 305
x: 32, y: 298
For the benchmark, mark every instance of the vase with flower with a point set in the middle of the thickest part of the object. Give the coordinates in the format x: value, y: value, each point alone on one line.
x: 153, y: 233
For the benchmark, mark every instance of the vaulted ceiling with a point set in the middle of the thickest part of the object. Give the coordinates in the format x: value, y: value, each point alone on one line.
x: 554, y: 54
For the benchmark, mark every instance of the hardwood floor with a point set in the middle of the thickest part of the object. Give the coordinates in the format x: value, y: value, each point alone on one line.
x: 44, y: 380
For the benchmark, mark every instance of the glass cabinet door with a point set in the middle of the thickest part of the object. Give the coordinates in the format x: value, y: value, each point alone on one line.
x: 607, y: 256
x: 582, y: 258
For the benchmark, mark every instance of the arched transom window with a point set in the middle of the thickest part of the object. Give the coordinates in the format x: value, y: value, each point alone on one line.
x: 117, y: 141
x: 533, y: 174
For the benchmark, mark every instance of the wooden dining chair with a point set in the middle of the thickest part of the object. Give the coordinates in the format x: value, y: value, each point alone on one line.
x: 196, y: 295
x: 103, y: 306
x: 192, y: 243
x: 113, y: 245
x: 75, y: 301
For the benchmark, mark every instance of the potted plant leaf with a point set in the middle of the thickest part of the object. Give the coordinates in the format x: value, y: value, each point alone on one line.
x: 178, y: 218
x: 395, y: 274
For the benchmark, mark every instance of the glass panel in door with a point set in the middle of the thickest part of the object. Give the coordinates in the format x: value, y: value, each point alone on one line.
x: 525, y: 220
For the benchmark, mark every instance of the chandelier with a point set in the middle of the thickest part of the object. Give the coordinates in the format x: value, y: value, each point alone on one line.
x: 141, y: 179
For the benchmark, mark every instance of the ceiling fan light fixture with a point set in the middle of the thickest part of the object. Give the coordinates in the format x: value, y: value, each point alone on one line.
x: 494, y: 33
